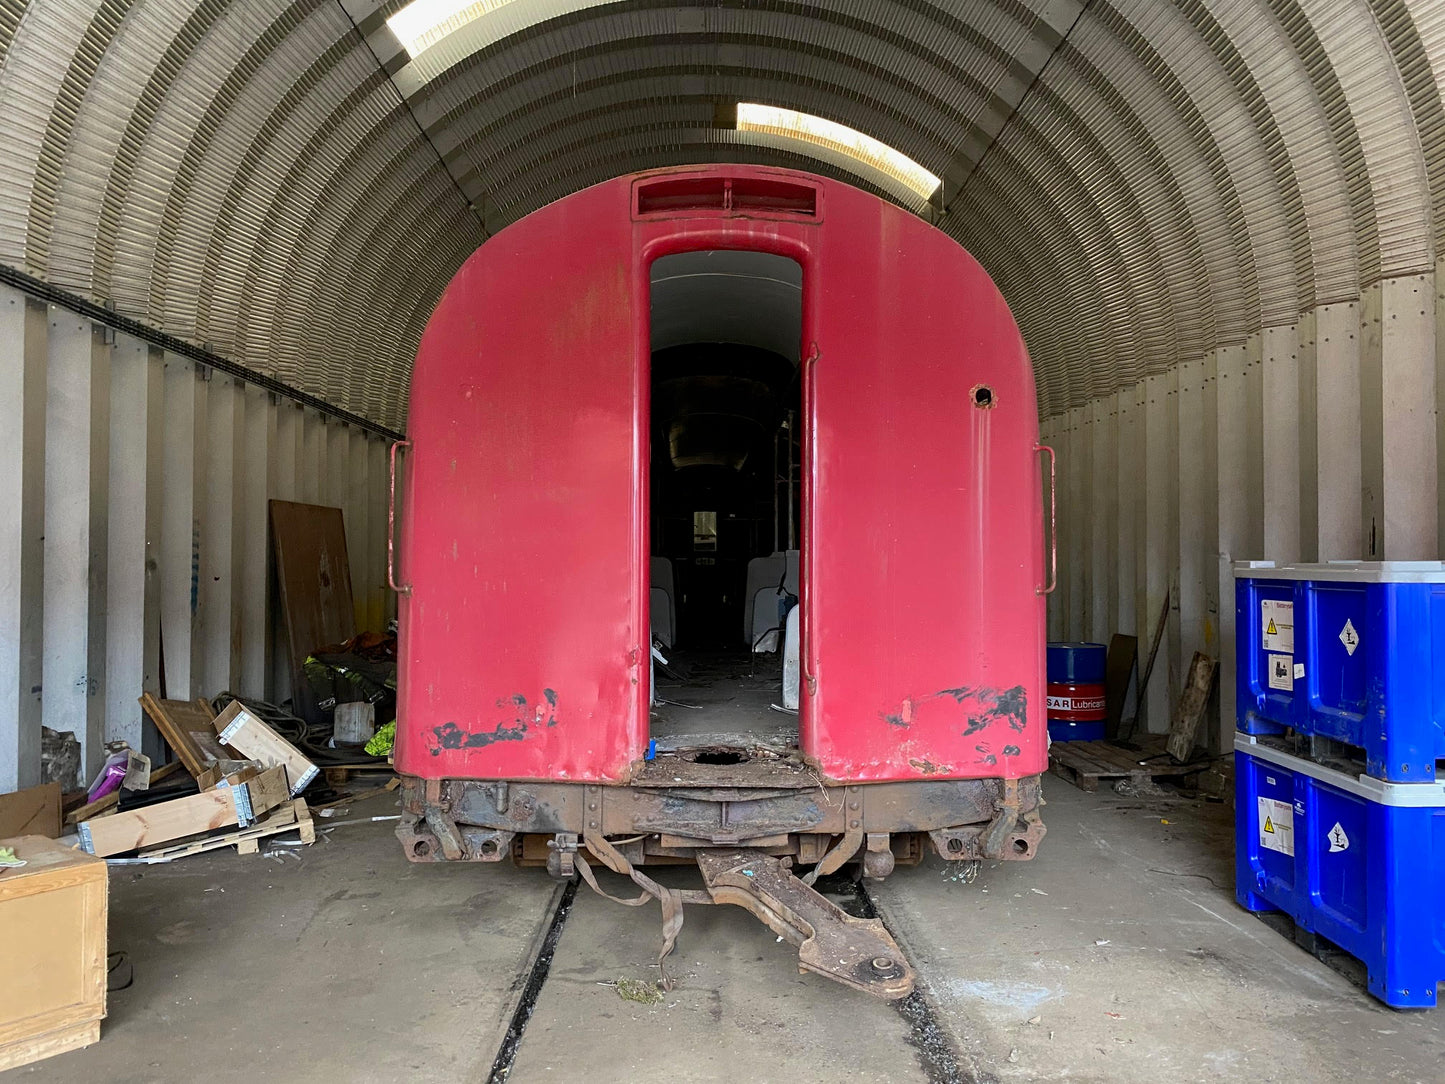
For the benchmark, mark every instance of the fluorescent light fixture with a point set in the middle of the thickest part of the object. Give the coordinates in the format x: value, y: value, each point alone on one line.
x: 790, y: 124
x: 423, y: 23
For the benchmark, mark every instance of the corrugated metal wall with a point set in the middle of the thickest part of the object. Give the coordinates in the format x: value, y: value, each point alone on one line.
x: 1311, y: 441
x: 133, y: 528
x: 1214, y: 222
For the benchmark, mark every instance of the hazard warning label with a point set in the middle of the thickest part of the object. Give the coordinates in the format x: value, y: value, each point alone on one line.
x: 1276, y: 622
x: 1339, y: 841
x: 1276, y: 826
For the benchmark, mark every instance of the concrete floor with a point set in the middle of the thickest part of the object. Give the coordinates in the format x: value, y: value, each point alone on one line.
x: 1117, y: 955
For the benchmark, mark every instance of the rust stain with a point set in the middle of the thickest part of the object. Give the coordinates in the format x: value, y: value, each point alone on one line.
x: 983, y: 706
x: 927, y: 767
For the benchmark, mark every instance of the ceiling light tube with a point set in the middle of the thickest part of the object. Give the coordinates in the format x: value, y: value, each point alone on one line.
x: 806, y: 128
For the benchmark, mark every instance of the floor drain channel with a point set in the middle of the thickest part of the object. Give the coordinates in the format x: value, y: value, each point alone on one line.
x: 541, y: 966
x: 931, y: 1044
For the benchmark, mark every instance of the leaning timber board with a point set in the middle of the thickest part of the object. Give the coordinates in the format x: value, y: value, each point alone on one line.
x: 180, y: 817
x: 293, y: 814
x: 1086, y: 763
x: 314, y: 577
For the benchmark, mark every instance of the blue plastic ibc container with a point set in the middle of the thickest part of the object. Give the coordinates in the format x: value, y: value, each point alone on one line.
x: 1355, y: 860
x: 1351, y: 651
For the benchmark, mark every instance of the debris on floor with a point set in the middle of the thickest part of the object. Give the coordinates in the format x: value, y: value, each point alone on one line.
x: 637, y: 990
x: 237, y: 781
x: 962, y: 872
x: 234, y: 803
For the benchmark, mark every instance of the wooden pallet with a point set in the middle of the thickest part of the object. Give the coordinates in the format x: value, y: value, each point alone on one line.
x: 293, y: 815
x: 1085, y: 763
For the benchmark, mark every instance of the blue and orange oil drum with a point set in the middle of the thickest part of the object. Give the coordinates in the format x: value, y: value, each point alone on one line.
x: 1075, y: 674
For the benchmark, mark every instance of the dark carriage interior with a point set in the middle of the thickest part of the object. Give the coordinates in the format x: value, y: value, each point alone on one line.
x: 725, y: 494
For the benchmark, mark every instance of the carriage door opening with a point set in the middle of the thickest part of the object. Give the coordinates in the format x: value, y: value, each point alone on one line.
x: 725, y: 496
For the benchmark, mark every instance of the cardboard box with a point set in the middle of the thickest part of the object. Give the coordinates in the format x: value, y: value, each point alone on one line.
x: 52, y: 967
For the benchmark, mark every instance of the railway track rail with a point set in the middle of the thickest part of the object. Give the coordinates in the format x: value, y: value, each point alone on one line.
x: 934, y: 1050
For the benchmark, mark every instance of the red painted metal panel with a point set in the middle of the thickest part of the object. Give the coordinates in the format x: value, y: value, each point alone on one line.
x: 525, y: 533
x: 923, y: 554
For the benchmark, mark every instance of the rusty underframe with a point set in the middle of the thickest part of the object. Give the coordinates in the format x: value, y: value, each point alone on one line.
x: 748, y: 826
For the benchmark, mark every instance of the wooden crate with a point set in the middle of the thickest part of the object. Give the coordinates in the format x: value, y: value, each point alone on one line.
x: 52, y: 960
x: 181, y: 817
x: 248, y: 734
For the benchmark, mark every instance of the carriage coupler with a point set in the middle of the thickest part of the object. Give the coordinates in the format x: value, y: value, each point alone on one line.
x: 858, y: 952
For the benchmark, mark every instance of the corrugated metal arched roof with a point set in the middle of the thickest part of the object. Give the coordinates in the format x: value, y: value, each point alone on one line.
x: 1145, y: 180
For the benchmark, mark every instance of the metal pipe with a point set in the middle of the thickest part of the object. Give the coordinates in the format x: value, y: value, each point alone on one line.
x: 98, y: 314
x: 777, y: 523
x: 792, y: 540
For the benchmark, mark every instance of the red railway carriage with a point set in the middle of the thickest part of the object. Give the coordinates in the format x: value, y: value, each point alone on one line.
x: 739, y: 376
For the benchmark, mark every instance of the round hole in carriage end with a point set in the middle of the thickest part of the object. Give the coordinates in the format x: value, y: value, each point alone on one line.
x: 982, y: 396
x: 719, y: 756
x: 955, y: 845
x: 1021, y: 846
x: 489, y: 847
x: 421, y: 848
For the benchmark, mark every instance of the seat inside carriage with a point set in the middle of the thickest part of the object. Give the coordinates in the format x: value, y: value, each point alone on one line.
x: 724, y: 504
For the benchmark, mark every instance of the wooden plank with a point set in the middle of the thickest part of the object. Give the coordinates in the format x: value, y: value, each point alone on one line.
x: 1120, y: 760
x: 186, y: 727
x: 1142, y: 689
x: 247, y: 733
x: 314, y: 576
x: 192, y: 815
x: 1083, y: 755
x: 27, y: 1051
x: 304, y: 822
x: 1184, y: 729
x: 101, y: 805
x: 34, y: 811
x: 1118, y: 669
